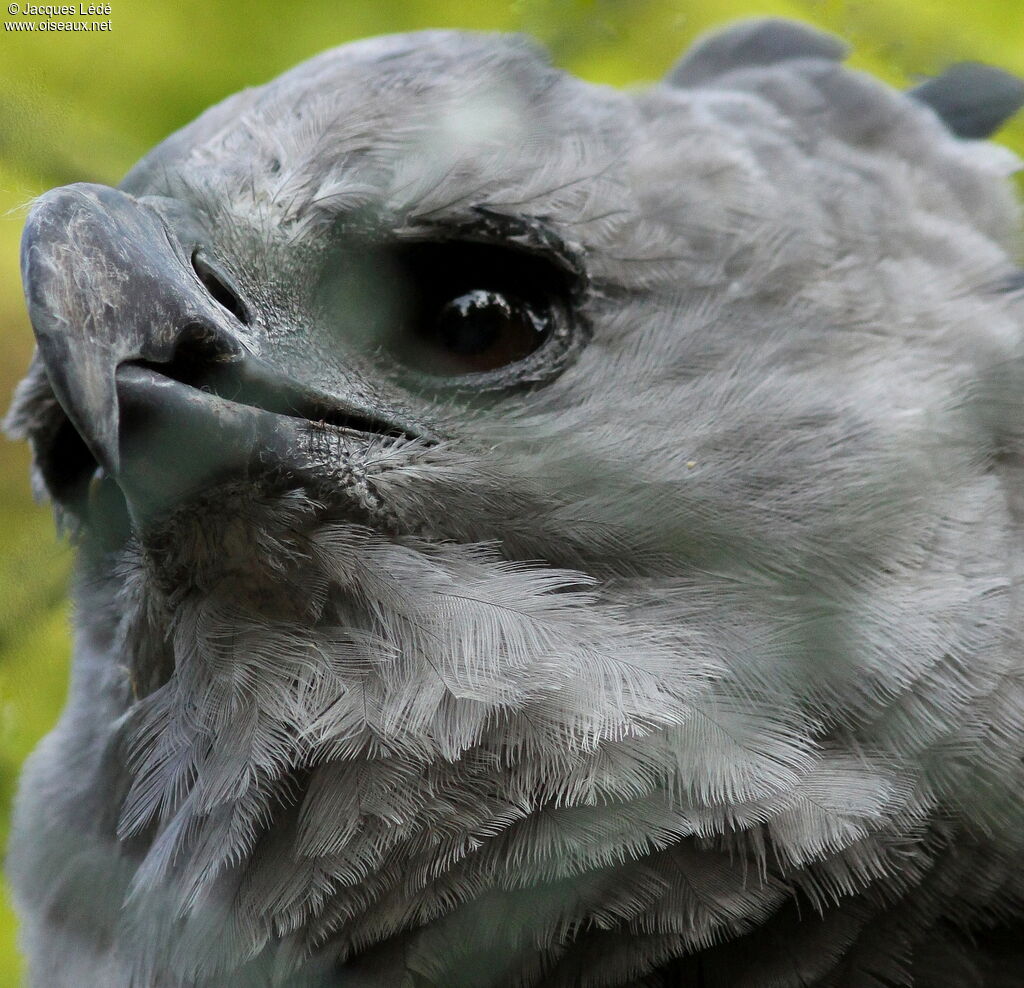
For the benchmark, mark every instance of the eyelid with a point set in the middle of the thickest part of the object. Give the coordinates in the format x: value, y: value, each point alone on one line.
x: 516, y: 232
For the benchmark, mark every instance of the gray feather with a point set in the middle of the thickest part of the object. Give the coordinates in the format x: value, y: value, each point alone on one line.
x: 751, y: 44
x: 971, y: 99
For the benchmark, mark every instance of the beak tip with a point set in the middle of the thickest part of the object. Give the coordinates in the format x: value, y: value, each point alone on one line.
x: 75, y: 268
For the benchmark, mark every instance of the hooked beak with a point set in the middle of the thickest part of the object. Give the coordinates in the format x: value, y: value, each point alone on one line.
x: 161, y: 381
x: 103, y: 286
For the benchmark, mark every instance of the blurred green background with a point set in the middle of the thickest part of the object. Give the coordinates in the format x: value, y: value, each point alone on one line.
x: 77, y: 107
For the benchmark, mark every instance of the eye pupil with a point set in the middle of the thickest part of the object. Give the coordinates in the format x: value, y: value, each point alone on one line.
x: 472, y: 323
x: 486, y: 329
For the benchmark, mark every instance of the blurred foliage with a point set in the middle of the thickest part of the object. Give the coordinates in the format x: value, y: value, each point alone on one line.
x: 79, y: 107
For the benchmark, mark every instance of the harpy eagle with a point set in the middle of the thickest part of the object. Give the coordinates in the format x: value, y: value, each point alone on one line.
x: 537, y: 534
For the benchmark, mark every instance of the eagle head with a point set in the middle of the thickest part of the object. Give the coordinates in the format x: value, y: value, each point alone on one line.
x: 532, y: 533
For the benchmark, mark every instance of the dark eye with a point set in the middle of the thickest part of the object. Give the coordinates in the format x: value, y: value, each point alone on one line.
x: 482, y: 331
x: 456, y: 313
x: 479, y: 313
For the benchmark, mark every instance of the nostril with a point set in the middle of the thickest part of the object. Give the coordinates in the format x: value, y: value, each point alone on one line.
x: 215, y: 283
